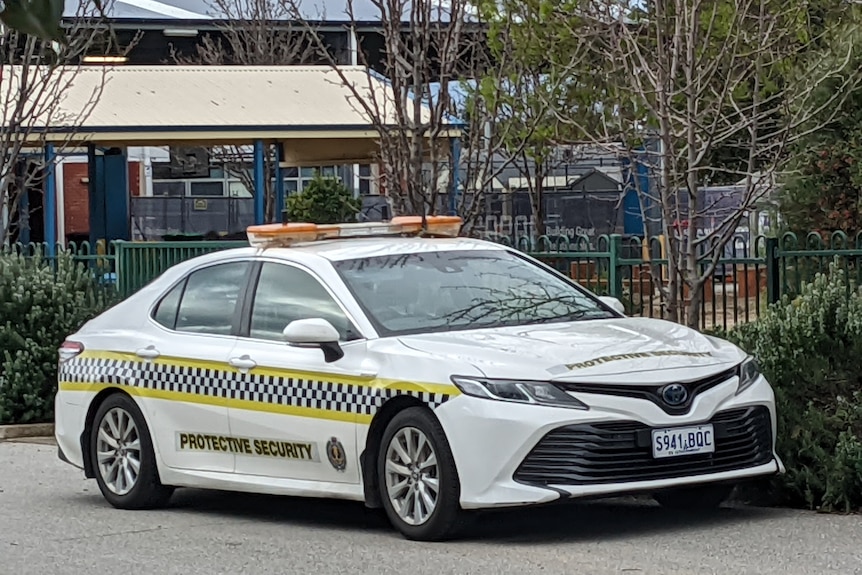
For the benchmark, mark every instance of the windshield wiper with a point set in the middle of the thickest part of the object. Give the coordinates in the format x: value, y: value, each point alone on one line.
x: 577, y: 315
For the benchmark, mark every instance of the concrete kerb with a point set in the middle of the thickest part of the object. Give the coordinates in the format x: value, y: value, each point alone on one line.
x: 26, y: 430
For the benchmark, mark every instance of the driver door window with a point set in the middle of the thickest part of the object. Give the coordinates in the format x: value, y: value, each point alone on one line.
x: 290, y: 383
x: 284, y: 294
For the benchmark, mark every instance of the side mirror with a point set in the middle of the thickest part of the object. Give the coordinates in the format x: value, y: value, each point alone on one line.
x: 314, y: 332
x: 613, y: 303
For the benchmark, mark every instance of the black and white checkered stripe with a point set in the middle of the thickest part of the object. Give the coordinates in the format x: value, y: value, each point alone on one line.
x: 289, y: 391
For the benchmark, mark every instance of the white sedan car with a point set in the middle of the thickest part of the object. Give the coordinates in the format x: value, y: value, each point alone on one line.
x: 423, y: 374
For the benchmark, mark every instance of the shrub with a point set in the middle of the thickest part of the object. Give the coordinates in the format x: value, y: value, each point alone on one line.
x: 810, y: 349
x: 323, y: 201
x: 40, y: 305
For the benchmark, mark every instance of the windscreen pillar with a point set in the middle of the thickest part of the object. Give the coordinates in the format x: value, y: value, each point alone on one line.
x: 455, y: 174
x: 259, y: 182
x: 108, y: 194
x: 49, y: 204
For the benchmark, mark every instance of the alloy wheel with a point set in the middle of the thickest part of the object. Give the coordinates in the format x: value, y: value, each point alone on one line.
x: 118, y: 448
x: 412, y: 476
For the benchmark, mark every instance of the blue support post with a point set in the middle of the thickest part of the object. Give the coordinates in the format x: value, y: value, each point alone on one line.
x: 117, y: 217
x: 259, y: 184
x: 280, y: 206
x: 455, y: 147
x: 96, y: 192
x: 109, y: 195
x: 50, y: 203
x: 637, y: 193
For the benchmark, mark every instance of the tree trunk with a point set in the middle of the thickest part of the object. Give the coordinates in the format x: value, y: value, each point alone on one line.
x: 691, y: 273
x: 692, y: 313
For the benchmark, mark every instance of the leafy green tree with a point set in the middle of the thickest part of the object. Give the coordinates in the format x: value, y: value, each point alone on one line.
x: 37, y: 18
x: 825, y: 195
x: 530, y: 84
x: 323, y: 201
x: 822, y: 189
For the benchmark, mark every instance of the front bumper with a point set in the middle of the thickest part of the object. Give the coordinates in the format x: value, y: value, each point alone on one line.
x: 509, y: 454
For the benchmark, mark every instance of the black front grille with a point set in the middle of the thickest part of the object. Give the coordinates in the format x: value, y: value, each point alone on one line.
x: 597, y: 453
x: 653, y: 392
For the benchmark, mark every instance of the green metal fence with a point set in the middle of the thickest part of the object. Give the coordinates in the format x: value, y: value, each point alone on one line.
x: 747, y: 278
x: 636, y: 272
x: 138, y: 263
x: 745, y: 281
x: 801, y: 258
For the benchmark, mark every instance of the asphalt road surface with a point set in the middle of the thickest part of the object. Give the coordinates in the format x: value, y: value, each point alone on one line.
x: 52, y: 521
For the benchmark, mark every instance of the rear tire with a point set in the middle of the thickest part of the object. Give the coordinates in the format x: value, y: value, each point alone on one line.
x: 121, y: 451
x: 698, y: 497
x: 418, y: 480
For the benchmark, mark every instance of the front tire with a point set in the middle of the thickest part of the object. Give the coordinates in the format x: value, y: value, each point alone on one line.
x: 698, y: 497
x: 122, y: 454
x: 418, y: 480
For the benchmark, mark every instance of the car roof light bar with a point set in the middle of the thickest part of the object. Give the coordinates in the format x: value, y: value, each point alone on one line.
x: 284, y: 235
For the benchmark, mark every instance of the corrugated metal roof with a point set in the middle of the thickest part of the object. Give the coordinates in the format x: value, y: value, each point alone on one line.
x: 314, y: 10
x: 255, y: 100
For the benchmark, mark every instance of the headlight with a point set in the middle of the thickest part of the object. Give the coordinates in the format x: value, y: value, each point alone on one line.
x: 538, y: 393
x: 748, y: 373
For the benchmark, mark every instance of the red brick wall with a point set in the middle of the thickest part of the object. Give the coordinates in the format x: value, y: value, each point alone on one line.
x: 76, y: 194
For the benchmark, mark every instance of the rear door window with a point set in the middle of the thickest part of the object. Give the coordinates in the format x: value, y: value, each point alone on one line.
x: 208, y: 303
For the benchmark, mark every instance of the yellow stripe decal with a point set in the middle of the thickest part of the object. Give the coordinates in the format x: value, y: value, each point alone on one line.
x: 400, y: 385
x: 220, y: 402
x: 301, y: 393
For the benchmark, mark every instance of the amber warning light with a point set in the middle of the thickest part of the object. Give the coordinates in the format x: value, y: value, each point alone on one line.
x: 292, y: 233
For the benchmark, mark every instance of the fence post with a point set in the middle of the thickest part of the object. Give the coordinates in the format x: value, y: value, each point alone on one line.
x: 773, y: 271
x: 615, y: 280
x: 122, y: 271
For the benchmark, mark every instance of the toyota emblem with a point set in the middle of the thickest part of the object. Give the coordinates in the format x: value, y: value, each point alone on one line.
x: 674, y: 394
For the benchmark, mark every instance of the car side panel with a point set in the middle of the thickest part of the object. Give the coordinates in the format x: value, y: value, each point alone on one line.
x: 176, y: 390
x: 300, y: 420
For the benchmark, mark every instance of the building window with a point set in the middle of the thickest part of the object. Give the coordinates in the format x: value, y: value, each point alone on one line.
x: 295, y: 179
x: 237, y: 189
x: 211, y: 188
x: 365, y: 180
x: 172, y: 188
x: 219, y: 184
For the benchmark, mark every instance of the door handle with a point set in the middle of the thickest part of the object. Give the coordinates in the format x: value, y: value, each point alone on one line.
x: 243, y: 363
x: 149, y: 352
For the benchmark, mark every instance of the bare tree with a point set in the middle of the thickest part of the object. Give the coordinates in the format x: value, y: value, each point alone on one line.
x: 507, y: 127
x: 443, y: 70
x: 530, y: 81
x: 503, y: 121
x: 35, y: 76
x: 424, y: 43
x: 252, y: 33
x: 724, y: 88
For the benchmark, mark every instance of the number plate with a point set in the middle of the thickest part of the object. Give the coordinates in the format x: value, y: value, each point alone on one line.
x: 677, y: 441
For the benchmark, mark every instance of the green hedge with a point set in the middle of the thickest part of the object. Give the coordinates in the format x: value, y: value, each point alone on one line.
x: 41, y: 303
x: 810, y: 349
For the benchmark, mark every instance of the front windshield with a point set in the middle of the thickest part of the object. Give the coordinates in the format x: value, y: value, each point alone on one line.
x: 462, y: 289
